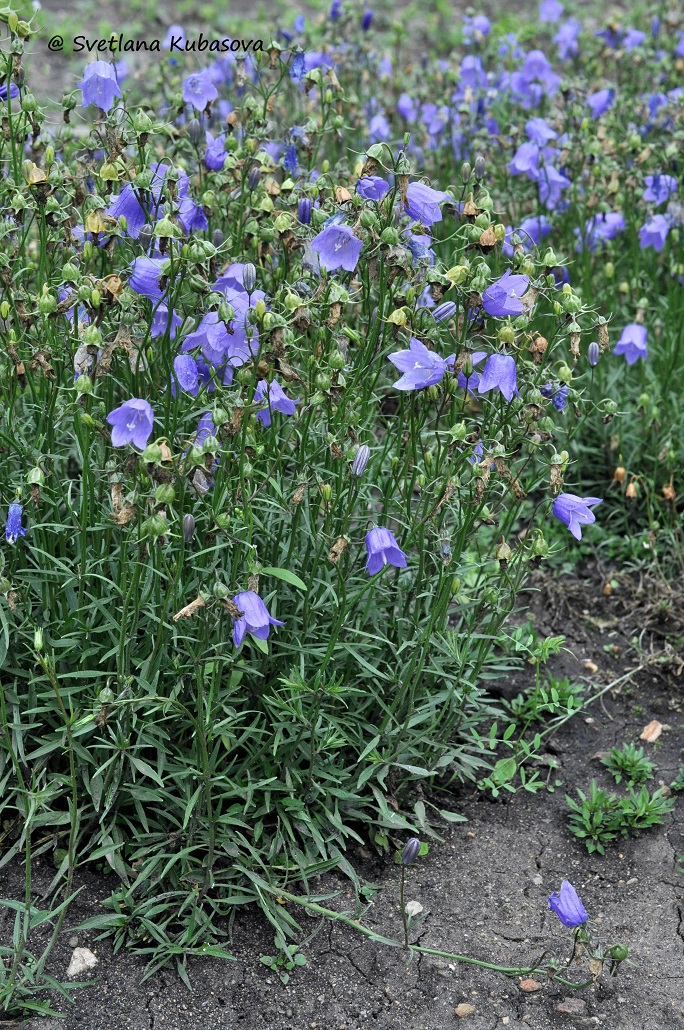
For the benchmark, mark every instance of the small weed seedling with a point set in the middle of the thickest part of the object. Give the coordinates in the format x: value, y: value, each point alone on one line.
x: 599, y: 817
x: 287, y: 958
x: 629, y: 763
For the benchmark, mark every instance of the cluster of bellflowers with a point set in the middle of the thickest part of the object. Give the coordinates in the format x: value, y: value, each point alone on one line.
x: 496, y: 90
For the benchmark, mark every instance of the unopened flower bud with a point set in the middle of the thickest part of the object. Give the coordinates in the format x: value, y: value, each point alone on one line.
x: 466, y: 171
x: 411, y: 851
x: 188, y: 528
x: 480, y: 167
x: 304, y: 211
x: 593, y: 354
x: 444, y: 311
x: 254, y: 177
x: 360, y: 460
x: 217, y: 237
x: 145, y: 235
x: 249, y: 277
x: 194, y: 130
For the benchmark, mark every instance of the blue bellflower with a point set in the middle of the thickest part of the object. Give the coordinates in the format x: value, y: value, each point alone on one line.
x: 14, y: 528
x: 502, y: 298
x: 255, y: 618
x: 383, y: 550
x: 337, y: 247
x: 567, y: 905
x: 422, y: 203
x: 199, y: 90
x: 275, y: 399
x: 420, y: 367
x: 632, y: 343
x: 99, y: 85
x: 499, y: 373
x: 132, y: 422
x: 575, y: 512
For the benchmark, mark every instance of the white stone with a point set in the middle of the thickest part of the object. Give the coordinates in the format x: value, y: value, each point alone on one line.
x: 82, y: 959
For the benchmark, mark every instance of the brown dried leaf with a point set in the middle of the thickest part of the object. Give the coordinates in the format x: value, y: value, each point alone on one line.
x: 190, y: 609
x: 298, y: 495
x: 337, y: 550
x: 651, y: 732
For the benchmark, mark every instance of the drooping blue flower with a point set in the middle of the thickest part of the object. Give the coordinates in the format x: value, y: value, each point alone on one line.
x: 575, y: 512
x: 472, y: 381
x: 367, y: 20
x: 199, y: 90
x: 163, y: 319
x: 372, y: 187
x: 477, y: 27
x: 551, y: 185
x: 558, y: 392
x: 550, y: 11
x: 379, y: 129
x: 14, y: 91
x: 525, y: 161
x: 422, y: 203
x: 406, y: 108
x: 99, y: 85
x: 531, y: 230
x: 175, y: 36
x: 420, y: 367
x: 14, y: 528
x: 659, y: 188
x: 215, y: 156
x: 128, y: 204
x: 298, y: 67
x: 539, y: 131
x: 255, y: 618
x: 632, y: 343
x: 274, y: 398
x: 633, y: 38
x: 568, y: 906
x: 499, y: 373
x: 566, y: 38
x: 335, y: 9
x: 290, y: 162
x: 604, y: 226
x: 187, y: 374
x: 145, y: 276
x: 383, y: 549
x: 420, y: 246
x: 502, y: 298
x: 653, y: 233
x: 600, y: 102
x: 132, y: 422
x: 337, y: 247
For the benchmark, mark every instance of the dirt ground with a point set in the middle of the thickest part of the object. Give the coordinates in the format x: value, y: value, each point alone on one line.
x: 484, y: 888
